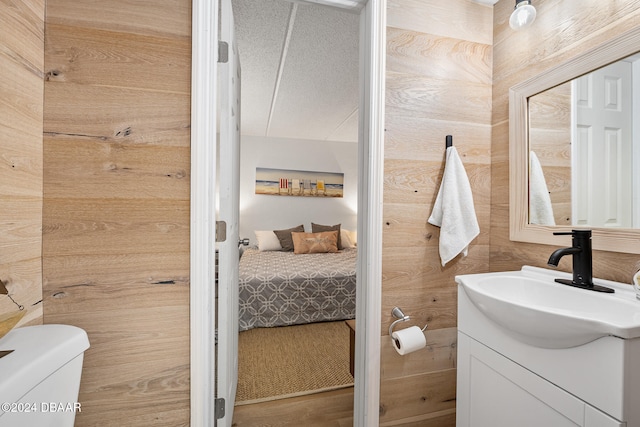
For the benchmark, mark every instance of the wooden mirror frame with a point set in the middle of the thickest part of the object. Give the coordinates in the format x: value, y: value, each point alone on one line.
x: 608, y: 239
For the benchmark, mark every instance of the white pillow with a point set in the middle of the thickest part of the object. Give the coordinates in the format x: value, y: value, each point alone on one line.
x: 348, y: 238
x: 268, y: 241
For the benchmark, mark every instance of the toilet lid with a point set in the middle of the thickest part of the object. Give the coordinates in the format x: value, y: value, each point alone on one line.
x: 38, y: 351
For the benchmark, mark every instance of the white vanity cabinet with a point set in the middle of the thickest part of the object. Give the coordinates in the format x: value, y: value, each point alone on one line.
x: 503, y: 381
x: 494, y: 391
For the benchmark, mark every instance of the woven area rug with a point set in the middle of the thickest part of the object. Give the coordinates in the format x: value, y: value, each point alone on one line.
x: 276, y: 363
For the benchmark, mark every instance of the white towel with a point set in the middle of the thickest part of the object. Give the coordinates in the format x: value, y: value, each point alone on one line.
x: 453, y: 210
x: 540, y: 209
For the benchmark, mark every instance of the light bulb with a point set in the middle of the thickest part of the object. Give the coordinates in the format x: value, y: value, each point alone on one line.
x: 523, y: 15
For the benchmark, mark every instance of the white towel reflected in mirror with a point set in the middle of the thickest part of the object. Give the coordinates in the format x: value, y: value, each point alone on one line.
x: 540, y: 208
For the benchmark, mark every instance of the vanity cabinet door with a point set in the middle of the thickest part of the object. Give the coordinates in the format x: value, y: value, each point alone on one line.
x: 493, y: 391
x: 595, y: 418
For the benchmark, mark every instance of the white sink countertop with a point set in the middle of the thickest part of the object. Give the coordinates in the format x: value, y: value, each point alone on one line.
x: 536, y: 310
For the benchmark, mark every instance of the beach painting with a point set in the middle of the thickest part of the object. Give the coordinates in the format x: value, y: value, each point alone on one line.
x: 284, y: 182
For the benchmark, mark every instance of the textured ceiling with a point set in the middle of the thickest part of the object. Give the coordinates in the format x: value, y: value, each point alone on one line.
x: 299, y: 70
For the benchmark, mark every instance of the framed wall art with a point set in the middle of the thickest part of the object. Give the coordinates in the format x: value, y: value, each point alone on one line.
x: 284, y: 182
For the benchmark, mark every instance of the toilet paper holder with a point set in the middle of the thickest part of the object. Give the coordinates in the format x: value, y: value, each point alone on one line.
x: 401, y: 317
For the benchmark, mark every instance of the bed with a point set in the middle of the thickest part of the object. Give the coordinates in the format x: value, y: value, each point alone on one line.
x: 283, y: 288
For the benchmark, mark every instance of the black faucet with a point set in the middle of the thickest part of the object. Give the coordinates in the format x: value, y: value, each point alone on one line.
x: 582, y: 261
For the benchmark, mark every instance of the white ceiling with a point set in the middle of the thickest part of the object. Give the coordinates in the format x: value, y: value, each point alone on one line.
x: 299, y: 70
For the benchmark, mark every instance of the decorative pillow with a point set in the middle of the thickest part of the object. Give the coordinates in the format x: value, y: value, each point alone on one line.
x: 315, y: 243
x: 317, y: 228
x: 347, y: 238
x: 267, y: 241
x: 284, y: 236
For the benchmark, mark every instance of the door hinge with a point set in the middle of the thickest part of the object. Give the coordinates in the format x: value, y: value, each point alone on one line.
x: 221, y: 231
x: 219, y: 408
x: 223, y: 52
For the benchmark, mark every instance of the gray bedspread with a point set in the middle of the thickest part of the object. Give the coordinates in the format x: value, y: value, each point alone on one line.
x: 282, y: 288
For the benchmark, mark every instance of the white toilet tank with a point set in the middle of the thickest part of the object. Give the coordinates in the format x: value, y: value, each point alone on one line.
x: 40, y: 378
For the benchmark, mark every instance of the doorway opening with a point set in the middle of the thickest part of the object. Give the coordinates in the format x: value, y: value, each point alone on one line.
x: 300, y: 96
x: 370, y: 167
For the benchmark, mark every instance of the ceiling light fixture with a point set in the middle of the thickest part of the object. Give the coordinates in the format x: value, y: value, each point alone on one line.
x: 523, y: 15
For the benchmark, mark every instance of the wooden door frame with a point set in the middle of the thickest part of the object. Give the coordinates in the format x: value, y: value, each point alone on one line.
x: 370, y: 180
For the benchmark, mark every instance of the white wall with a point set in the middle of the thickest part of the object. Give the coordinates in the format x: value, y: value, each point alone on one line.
x: 264, y: 212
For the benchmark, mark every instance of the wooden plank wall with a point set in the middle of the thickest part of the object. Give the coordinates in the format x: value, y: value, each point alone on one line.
x: 21, y: 89
x: 562, y: 30
x: 438, y: 79
x: 116, y: 202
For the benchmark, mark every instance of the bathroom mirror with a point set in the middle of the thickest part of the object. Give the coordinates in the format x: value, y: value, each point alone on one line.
x: 559, y: 160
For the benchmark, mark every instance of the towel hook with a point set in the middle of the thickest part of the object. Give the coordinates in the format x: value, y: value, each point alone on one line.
x: 448, y: 141
x: 399, y: 314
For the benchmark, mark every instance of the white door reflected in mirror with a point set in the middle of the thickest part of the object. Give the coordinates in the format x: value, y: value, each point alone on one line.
x: 582, y: 132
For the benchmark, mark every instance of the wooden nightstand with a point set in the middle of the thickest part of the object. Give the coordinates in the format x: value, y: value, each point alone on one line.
x: 351, y: 323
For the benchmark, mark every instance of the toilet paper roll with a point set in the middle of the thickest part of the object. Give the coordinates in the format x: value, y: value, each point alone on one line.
x: 408, y: 340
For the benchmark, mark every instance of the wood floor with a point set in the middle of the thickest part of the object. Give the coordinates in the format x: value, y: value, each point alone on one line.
x: 329, y: 409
